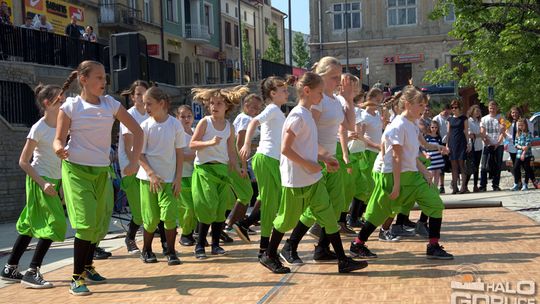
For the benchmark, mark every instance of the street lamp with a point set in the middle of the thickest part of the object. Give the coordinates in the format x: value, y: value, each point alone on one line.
x: 346, y: 21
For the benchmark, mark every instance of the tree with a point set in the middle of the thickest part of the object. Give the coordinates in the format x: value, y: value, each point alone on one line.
x: 246, y: 50
x: 300, y: 51
x: 274, y: 52
x: 499, y: 46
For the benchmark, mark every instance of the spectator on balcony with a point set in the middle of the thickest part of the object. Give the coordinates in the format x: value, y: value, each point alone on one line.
x: 72, y: 29
x: 5, y: 13
x: 89, y: 34
x: 43, y: 25
x: 28, y: 23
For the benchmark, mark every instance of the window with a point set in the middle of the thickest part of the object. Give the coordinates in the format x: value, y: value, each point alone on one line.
x: 227, y: 8
x: 349, y: 14
x: 147, y: 11
x: 209, y: 18
x: 266, y: 24
x: 267, y: 2
x: 133, y: 4
x: 228, y: 39
x: 401, y: 12
x: 245, y: 16
x: 451, y: 16
x: 172, y: 10
x: 236, y: 12
x: 236, y: 35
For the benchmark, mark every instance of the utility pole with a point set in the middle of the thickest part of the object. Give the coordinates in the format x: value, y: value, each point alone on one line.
x: 347, y: 21
x: 240, y: 38
x: 290, y: 36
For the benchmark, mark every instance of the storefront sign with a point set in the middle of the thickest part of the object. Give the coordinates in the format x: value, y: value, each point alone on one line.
x: 202, y: 51
x: 58, y: 12
x: 153, y: 49
x: 406, y: 58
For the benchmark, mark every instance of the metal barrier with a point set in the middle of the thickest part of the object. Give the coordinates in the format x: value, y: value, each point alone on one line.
x: 28, y: 45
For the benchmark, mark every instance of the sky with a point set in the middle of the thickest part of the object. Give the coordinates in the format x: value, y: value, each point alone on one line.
x: 300, y: 13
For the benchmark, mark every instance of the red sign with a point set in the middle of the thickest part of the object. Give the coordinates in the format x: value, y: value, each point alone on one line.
x: 409, y: 58
x: 202, y: 51
x: 77, y: 12
x: 389, y: 60
x: 153, y: 49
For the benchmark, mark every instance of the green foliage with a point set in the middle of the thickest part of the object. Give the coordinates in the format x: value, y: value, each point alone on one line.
x: 246, y: 50
x: 274, y: 52
x: 501, y: 40
x: 300, y: 51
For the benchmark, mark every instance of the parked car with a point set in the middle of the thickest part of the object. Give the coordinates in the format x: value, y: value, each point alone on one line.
x: 444, y: 88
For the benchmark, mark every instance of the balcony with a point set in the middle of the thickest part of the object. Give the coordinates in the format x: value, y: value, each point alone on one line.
x: 121, y: 16
x: 197, y: 33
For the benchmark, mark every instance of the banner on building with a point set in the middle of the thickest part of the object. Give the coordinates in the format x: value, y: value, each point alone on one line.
x: 58, y: 12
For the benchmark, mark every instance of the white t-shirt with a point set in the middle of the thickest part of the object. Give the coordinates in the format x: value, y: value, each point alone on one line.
x: 301, y: 123
x: 328, y: 125
x: 44, y: 160
x: 241, y: 123
x: 271, y: 120
x: 492, y: 126
x: 374, y: 128
x: 43, y: 27
x: 159, y: 147
x: 217, y: 153
x: 403, y: 132
x: 123, y: 160
x: 474, y: 128
x: 187, y: 167
x: 90, y: 132
x: 356, y: 145
x: 443, y: 128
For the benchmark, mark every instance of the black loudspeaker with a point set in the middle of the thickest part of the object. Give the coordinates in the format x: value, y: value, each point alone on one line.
x: 128, y: 60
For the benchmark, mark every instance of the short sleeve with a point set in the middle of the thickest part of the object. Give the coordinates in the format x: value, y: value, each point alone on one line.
x: 266, y: 115
x: 483, y: 122
x: 295, y: 124
x: 241, y: 123
x: 114, y: 104
x: 180, y: 136
x: 361, y: 116
x: 144, y: 127
x: 34, y: 133
x: 395, y: 136
x: 67, y: 107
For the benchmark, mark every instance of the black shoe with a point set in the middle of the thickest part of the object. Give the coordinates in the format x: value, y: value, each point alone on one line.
x: 441, y: 190
x: 164, y: 248
x: 242, y: 232
x: 273, y: 265
x: 11, y: 273
x: 482, y: 189
x: 354, y: 223
x: 261, y: 252
x: 225, y: 237
x: 361, y: 251
x: 387, y: 236
x: 437, y: 252
x: 251, y: 231
x: 345, y: 230
x: 323, y: 255
x: 187, y: 240
x: 148, y: 257
x: 422, y: 229
x: 172, y: 259
x: 348, y: 265
x: 217, y: 250
x: 200, y: 253
x: 290, y: 256
x: 496, y: 188
x: 101, y: 254
x: 131, y: 246
x: 33, y: 279
x: 400, y: 230
x: 409, y: 225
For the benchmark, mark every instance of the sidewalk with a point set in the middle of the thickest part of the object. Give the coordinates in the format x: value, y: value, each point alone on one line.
x: 502, y: 246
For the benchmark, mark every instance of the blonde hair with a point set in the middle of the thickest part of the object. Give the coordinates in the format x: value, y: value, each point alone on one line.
x: 350, y: 76
x: 410, y: 94
x: 83, y: 69
x: 324, y: 65
x: 232, y: 95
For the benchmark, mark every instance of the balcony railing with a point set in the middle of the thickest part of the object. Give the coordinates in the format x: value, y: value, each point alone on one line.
x: 197, y: 32
x: 119, y: 14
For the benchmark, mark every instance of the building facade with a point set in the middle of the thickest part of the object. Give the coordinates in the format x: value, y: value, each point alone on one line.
x: 390, y: 41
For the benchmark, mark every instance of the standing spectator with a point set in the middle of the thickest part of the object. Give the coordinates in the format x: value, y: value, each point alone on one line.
x: 524, y: 155
x: 72, y: 29
x: 43, y: 25
x: 458, y: 127
x: 89, y: 34
x: 426, y: 119
x: 28, y: 23
x: 441, y: 119
x: 476, y: 139
x: 5, y: 13
x: 492, y: 132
